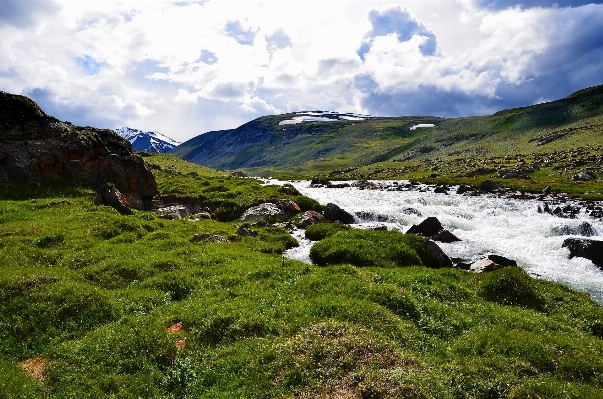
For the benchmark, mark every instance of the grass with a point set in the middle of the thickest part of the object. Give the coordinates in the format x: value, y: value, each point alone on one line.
x: 87, y: 295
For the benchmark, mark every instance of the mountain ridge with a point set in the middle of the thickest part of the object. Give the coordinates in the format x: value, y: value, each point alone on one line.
x: 273, y: 143
x: 147, y: 141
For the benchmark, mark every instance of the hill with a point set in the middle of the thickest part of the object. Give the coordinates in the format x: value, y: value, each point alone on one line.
x: 271, y: 144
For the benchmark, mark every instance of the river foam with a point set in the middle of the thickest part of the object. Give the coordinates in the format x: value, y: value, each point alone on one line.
x: 486, y: 225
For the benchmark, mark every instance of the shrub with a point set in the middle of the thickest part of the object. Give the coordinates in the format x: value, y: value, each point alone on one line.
x: 511, y: 286
x: 317, y: 232
x: 370, y: 248
x: 50, y: 240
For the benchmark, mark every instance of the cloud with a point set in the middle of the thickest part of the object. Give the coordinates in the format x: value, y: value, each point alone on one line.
x: 20, y: 13
x: 399, y: 22
x: 235, y: 30
x: 278, y: 40
x: 504, y: 4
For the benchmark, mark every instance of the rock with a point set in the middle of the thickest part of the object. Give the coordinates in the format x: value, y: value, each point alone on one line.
x: 438, y: 258
x: 34, y: 146
x: 319, y: 182
x: 173, y: 212
x: 461, y: 263
x: 338, y: 185
x: 201, y: 215
x: 335, y: 213
x: 243, y: 231
x: 263, y: 211
x: 502, y: 261
x: 309, y: 218
x: 584, y: 176
x: 584, y: 229
x: 411, y: 211
x: 546, y: 190
x: 484, y: 265
x: 208, y: 238
x: 288, y: 205
x: 289, y: 190
x: 488, y: 186
x: 113, y: 198
x: 585, y: 248
x: 445, y: 236
x: 441, y: 190
x: 372, y: 217
x: 463, y: 188
x: 427, y: 227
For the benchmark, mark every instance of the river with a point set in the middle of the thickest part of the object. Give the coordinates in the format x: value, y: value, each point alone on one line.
x: 486, y: 225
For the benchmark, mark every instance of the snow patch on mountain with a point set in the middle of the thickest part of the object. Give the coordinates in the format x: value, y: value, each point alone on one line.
x: 323, y: 116
x: 147, y: 141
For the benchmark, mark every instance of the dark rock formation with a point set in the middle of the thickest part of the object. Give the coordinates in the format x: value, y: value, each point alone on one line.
x: 113, y: 198
x: 445, y: 236
x: 34, y: 146
x: 502, y: 261
x: 334, y: 213
x: 584, y: 229
x: 438, y: 258
x: 309, y: 218
x: 427, y: 227
x: 585, y: 248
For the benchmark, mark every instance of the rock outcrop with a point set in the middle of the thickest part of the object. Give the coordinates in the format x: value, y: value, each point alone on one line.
x: 35, y: 146
x: 585, y: 248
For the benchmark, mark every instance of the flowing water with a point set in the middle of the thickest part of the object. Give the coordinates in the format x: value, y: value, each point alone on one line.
x: 486, y: 225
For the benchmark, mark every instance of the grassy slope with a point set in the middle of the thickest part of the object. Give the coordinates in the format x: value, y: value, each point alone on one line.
x: 88, y: 293
x: 459, y: 150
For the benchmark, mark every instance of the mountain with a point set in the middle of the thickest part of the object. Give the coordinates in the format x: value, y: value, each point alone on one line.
x: 319, y: 141
x: 147, y: 141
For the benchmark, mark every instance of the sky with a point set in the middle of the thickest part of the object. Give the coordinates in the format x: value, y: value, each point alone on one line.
x: 185, y: 67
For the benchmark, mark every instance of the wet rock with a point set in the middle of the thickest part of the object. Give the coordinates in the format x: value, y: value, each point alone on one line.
x: 461, y: 263
x: 335, y: 213
x: 113, y: 198
x: 438, y: 258
x: 263, y: 211
x: 426, y: 228
x: 463, y: 188
x: 445, y: 236
x: 309, y: 218
x: 411, y: 211
x: 585, y: 248
x: 584, y: 229
x: 502, y: 261
x: 319, y: 182
x: 441, y: 190
x: 173, y: 212
x: 208, y: 238
x: 372, y: 216
x: 338, y: 185
x: 489, y: 187
x: 244, y: 231
x: 289, y: 190
x: 546, y: 190
x: 584, y: 176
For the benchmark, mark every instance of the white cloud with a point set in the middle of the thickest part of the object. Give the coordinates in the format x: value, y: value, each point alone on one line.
x: 154, y: 64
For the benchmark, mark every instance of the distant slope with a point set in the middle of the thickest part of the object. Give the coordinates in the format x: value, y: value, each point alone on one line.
x: 329, y: 141
x: 147, y: 141
x: 185, y: 148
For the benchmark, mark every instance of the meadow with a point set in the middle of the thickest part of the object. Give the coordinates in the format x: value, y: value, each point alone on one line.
x: 98, y: 304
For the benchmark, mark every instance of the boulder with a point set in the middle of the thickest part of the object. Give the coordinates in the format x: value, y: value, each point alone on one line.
x: 438, y: 258
x: 309, y: 218
x: 584, y: 229
x: 488, y: 186
x: 484, y: 265
x: 173, y: 212
x: 34, y: 146
x: 263, y: 211
x: 445, y: 236
x: 288, y: 205
x: 412, y: 211
x: 208, y: 238
x: 334, y: 213
x: 585, y: 248
x: 501, y: 260
x: 244, y: 231
x: 113, y: 198
x: 584, y: 176
x: 463, y: 188
x: 427, y: 227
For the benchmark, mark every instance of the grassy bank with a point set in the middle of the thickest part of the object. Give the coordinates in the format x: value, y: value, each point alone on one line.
x: 87, y: 296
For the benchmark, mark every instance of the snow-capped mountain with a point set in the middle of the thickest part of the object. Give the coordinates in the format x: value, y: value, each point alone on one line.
x: 147, y: 141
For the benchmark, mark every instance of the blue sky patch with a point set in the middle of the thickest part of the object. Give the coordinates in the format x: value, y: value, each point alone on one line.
x: 90, y: 65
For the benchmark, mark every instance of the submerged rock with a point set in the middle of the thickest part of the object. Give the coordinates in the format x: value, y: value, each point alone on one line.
x: 584, y: 229
x: 585, y: 248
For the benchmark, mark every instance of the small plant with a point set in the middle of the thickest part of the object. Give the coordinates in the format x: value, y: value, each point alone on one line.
x: 511, y: 286
x: 50, y: 240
